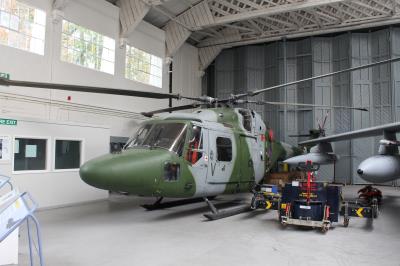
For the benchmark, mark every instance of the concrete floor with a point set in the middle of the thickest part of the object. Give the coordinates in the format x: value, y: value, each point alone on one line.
x: 120, y: 232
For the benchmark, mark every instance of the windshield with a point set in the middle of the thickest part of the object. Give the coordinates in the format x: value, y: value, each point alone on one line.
x: 170, y: 136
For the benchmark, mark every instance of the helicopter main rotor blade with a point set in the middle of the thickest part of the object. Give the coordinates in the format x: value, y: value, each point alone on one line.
x: 304, y: 105
x: 171, y: 109
x: 256, y: 92
x: 90, y: 89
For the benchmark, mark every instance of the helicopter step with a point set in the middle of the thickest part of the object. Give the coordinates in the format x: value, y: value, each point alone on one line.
x: 216, y: 214
x: 158, y: 205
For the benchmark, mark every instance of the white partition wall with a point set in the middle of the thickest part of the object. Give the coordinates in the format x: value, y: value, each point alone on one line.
x: 52, y: 187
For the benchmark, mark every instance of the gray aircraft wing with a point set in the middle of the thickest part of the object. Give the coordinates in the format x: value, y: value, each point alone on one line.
x: 361, y: 133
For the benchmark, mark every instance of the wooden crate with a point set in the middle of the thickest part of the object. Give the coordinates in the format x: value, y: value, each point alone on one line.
x: 281, y: 178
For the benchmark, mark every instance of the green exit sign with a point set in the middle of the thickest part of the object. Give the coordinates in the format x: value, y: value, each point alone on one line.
x: 8, y: 122
x: 4, y: 75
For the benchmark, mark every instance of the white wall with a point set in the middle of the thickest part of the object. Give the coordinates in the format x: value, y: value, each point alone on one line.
x: 186, y: 78
x: 55, y: 188
x: 100, y: 16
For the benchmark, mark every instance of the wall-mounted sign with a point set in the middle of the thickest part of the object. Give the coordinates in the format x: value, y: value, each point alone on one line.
x: 5, y: 148
x: 31, y: 151
x: 8, y: 122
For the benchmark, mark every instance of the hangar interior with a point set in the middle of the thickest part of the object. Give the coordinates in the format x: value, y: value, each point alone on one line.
x: 217, y: 48
x: 241, y: 69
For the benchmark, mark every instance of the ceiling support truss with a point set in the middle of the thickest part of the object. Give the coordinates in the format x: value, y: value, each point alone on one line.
x: 178, y: 30
x: 131, y: 13
x: 217, y: 24
x: 268, y: 20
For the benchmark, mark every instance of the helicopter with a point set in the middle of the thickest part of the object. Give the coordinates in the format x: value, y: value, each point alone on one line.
x: 218, y: 149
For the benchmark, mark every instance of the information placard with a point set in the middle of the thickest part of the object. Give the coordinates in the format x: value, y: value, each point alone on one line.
x: 5, y: 148
x: 11, y: 215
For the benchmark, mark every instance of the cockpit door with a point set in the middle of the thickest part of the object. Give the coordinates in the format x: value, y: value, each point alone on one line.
x: 222, y: 154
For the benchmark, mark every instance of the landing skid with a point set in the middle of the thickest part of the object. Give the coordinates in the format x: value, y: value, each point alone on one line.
x: 158, y: 205
x: 216, y: 214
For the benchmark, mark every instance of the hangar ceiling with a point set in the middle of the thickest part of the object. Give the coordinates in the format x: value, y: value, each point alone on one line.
x: 212, y: 25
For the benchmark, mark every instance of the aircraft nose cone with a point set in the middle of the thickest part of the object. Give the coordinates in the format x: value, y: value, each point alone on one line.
x: 95, y: 172
x: 135, y: 171
x: 367, y: 170
x: 379, y: 168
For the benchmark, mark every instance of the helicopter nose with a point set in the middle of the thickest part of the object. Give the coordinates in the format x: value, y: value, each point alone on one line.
x: 129, y: 172
x: 94, y: 173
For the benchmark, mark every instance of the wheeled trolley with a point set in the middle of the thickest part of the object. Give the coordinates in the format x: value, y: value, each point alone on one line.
x: 314, y: 205
x: 359, y: 209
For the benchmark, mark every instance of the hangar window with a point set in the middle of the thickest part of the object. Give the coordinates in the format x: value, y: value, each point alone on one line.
x: 224, y: 149
x: 67, y: 154
x: 30, y: 154
x: 143, y: 67
x: 22, y: 26
x: 87, y: 48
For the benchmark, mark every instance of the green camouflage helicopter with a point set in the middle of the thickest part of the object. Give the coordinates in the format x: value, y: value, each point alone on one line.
x: 220, y: 149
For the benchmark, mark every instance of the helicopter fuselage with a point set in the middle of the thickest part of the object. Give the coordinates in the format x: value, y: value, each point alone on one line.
x: 182, y: 155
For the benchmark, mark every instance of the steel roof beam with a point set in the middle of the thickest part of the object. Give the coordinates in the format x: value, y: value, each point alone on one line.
x: 269, y: 11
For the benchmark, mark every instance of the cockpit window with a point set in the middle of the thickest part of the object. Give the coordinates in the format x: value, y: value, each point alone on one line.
x: 195, y: 149
x: 139, y: 136
x: 246, y: 114
x: 170, y: 136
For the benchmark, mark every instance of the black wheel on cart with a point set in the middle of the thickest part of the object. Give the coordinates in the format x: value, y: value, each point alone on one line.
x: 324, y: 228
x: 346, y: 222
x: 374, y: 208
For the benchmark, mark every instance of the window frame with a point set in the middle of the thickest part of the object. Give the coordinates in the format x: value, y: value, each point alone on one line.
x: 187, y: 142
x: 247, y: 117
x: 72, y: 48
x: 179, y: 172
x: 48, y: 153
x: 29, y: 5
x: 216, y: 148
x: 127, y: 46
x: 82, y: 154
